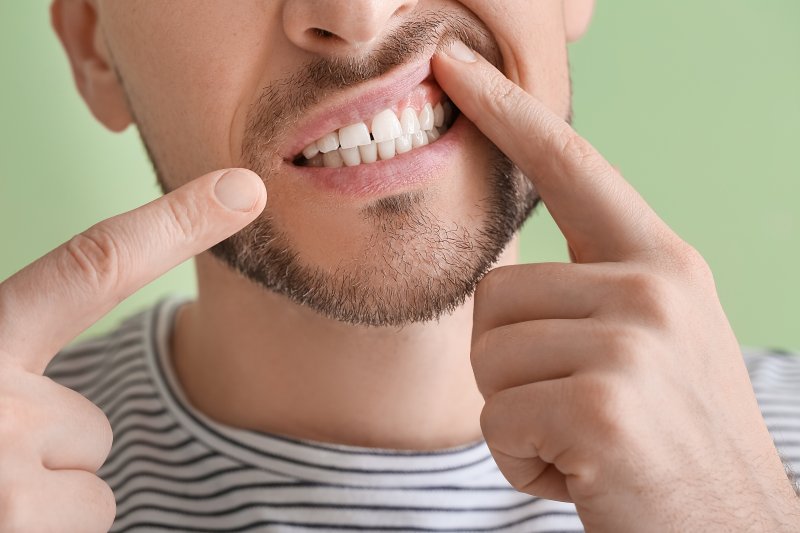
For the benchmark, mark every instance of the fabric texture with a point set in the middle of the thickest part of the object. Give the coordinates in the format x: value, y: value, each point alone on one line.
x: 173, y: 469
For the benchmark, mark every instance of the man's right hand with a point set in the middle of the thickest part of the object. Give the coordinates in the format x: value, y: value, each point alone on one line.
x: 52, y: 439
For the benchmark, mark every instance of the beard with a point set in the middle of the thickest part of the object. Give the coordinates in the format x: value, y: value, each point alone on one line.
x: 415, y: 264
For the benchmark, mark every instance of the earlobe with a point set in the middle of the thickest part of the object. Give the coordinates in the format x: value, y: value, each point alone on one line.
x: 76, y: 24
x: 577, y: 17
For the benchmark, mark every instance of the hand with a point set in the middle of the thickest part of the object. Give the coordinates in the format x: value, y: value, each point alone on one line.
x: 616, y: 382
x: 52, y: 439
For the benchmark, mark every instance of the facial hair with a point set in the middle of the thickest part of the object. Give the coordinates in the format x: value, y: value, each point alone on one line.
x: 416, y: 264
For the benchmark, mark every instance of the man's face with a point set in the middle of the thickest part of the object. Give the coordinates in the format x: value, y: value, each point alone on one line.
x: 252, y: 83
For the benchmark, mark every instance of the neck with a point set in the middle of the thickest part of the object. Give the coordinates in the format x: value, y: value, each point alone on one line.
x: 252, y: 359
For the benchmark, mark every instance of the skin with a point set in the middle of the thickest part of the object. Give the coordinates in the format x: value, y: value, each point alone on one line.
x: 626, y: 348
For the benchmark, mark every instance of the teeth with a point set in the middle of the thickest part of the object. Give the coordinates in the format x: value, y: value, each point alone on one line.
x: 410, y: 122
x: 350, y: 156
x: 354, y: 135
x: 353, y: 145
x: 369, y: 153
x: 426, y: 117
x: 403, y: 144
x: 438, y: 116
x: 387, y: 149
x: 419, y: 139
x: 310, y: 151
x: 328, y: 143
x: 332, y: 159
x: 386, y: 127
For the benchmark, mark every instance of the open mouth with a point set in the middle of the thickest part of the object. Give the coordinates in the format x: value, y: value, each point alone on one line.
x: 387, y: 135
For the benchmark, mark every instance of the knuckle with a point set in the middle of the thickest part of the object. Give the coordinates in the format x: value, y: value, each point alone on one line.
x: 490, y: 283
x: 605, y: 407
x: 573, y: 149
x: 95, y: 256
x: 483, y: 310
x: 692, y: 264
x: 650, y: 295
x: 488, y: 419
x: 184, y: 217
x: 502, y: 96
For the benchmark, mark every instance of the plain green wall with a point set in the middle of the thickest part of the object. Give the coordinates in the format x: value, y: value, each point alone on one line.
x: 696, y: 101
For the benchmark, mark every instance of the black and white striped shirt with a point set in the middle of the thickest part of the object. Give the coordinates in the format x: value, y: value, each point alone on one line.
x: 173, y: 469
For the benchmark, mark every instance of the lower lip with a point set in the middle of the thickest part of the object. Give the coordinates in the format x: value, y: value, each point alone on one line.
x: 411, y: 170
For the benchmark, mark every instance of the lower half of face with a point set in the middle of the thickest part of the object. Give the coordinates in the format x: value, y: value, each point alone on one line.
x: 380, y: 213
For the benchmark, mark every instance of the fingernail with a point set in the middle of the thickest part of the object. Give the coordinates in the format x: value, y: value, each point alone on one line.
x: 461, y: 52
x: 237, y: 190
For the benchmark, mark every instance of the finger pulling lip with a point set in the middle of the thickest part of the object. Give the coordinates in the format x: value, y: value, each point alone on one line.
x: 351, y: 107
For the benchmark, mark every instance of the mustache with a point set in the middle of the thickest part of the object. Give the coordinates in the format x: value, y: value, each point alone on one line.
x: 282, y: 103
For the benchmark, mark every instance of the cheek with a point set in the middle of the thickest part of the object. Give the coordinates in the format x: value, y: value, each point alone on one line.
x: 191, y: 76
x: 532, y: 40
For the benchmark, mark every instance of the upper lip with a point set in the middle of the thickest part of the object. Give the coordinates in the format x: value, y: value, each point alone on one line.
x: 357, y: 105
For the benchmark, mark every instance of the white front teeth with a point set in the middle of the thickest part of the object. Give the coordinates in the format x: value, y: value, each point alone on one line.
x: 354, y: 145
x: 353, y: 136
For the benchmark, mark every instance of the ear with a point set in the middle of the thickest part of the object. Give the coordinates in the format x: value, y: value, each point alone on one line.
x: 76, y: 24
x: 577, y: 16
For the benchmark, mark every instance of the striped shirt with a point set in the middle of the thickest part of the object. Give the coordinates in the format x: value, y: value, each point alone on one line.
x: 173, y: 469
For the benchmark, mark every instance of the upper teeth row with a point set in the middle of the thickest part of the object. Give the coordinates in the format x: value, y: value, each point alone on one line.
x: 386, y: 126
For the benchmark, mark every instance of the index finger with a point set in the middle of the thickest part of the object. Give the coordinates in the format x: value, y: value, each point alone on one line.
x: 600, y: 214
x: 49, y: 302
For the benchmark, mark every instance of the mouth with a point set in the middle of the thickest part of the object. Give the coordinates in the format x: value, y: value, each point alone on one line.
x: 385, y: 136
x: 399, y: 112
x: 406, y: 126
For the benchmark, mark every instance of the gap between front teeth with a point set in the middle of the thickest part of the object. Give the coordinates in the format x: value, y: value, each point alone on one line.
x: 390, y: 136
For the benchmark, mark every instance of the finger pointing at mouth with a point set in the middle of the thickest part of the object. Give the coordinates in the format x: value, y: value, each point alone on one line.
x: 600, y: 214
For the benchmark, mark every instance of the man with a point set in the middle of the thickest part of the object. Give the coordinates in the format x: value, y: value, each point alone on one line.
x: 335, y: 371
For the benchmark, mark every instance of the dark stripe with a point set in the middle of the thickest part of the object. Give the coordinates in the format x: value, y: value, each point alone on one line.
x: 151, y: 430
x: 107, y: 349
x: 114, y: 377
x: 112, y: 395
x: 305, y: 504
x: 311, y: 525
x: 137, y: 412
x: 786, y: 443
x: 778, y: 400
x: 790, y: 429
x: 152, y: 445
x: 122, y: 401
x: 293, y: 460
x: 175, y: 479
x: 157, y: 461
x: 780, y: 352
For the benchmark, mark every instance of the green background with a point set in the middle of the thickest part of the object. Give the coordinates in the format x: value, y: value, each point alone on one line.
x: 697, y: 103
